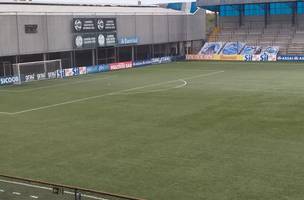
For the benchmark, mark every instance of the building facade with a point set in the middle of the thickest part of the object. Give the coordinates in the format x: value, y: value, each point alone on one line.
x: 104, y: 35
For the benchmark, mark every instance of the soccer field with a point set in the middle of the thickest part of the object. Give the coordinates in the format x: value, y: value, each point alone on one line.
x: 185, y: 130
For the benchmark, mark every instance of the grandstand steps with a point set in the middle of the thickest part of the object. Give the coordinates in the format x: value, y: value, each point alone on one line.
x: 214, y: 34
x: 289, y: 38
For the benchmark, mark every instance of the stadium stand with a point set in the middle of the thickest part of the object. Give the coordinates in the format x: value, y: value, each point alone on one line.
x: 260, y: 23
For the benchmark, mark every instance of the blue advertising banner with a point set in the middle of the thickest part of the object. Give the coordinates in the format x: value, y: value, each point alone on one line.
x: 142, y: 63
x: 60, y: 73
x: 161, y: 60
x: 155, y: 61
x: 290, y: 58
x: 76, y: 71
x: 103, y: 68
x: 128, y: 40
x: 98, y: 68
x: 9, y: 80
x: 178, y: 58
x: 92, y: 69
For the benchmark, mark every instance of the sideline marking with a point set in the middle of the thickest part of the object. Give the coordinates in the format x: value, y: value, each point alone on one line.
x: 55, y: 85
x: 109, y: 94
x: 46, y: 188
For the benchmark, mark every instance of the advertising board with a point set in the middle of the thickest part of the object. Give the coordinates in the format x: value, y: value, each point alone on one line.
x: 222, y: 57
x: 97, y: 68
x: 91, y: 25
x: 199, y: 57
x: 103, y: 68
x: 92, y: 69
x: 128, y: 40
x: 83, y: 41
x: 120, y: 65
x: 142, y: 63
x: 290, y: 58
x: 82, y: 70
x: 9, y: 80
x: 161, y: 60
x: 68, y: 72
x: 110, y: 39
x: 90, y: 33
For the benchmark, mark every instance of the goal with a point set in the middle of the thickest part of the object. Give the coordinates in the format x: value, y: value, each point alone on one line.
x: 40, y: 70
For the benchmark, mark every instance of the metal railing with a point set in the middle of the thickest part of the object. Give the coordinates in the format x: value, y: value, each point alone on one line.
x: 15, y: 188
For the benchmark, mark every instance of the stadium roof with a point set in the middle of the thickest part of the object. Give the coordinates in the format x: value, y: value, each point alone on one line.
x: 202, y: 3
x: 28, y: 9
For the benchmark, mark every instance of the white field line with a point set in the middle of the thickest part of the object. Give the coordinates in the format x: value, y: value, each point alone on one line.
x: 16, y: 193
x: 69, y: 83
x: 109, y: 94
x: 56, y: 85
x: 5, y: 113
x: 159, y: 90
x: 46, y: 188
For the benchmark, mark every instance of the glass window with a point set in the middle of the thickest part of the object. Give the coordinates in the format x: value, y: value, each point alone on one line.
x: 300, y: 7
x: 254, y: 9
x: 280, y: 8
x: 230, y: 10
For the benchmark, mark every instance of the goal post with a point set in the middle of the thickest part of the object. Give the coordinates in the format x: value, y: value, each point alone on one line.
x: 39, y: 70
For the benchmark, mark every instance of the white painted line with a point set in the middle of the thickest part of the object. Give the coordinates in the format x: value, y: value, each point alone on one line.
x: 34, y: 197
x: 183, y: 85
x: 25, y: 184
x: 108, y: 94
x: 48, y: 188
x: 16, y: 193
x: 159, y: 90
x: 2, y: 190
x: 5, y: 113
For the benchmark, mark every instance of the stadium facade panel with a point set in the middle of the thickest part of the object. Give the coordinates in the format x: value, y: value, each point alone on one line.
x: 43, y: 32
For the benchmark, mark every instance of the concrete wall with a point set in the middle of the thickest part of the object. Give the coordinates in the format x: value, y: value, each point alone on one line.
x: 144, y: 25
x: 59, y: 32
x: 229, y: 21
x: 160, y: 28
x: 280, y: 19
x: 123, y: 30
x: 8, y: 35
x: 300, y: 20
x: 196, y: 26
x: 176, y: 28
x: 55, y: 31
x: 30, y: 43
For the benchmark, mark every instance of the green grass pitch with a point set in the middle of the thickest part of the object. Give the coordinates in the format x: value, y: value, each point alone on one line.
x: 186, y: 130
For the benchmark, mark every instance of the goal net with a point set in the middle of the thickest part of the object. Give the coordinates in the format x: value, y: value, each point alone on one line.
x: 40, y: 70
